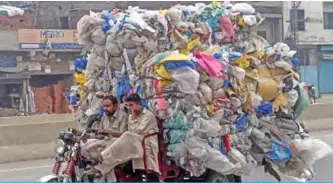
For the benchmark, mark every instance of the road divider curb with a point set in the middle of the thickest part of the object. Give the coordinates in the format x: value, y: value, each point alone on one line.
x: 33, y: 137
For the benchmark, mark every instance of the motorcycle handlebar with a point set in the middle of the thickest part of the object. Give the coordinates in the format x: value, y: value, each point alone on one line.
x: 78, y: 136
x: 95, y: 132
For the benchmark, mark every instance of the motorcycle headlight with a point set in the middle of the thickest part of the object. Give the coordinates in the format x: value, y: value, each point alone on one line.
x: 60, y: 147
x: 60, y: 150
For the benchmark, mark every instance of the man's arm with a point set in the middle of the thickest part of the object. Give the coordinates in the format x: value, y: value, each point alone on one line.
x: 112, y: 133
x: 124, y: 122
x: 146, y: 124
x: 101, y: 124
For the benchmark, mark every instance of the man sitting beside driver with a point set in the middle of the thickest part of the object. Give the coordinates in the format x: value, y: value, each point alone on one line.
x: 129, y: 144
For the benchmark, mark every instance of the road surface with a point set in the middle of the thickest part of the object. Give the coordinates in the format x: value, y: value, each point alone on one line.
x: 30, y: 171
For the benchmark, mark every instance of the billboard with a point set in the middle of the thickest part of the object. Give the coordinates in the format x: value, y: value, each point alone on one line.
x: 48, y: 38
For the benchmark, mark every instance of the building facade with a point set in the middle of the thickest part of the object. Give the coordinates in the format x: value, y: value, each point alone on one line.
x: 314, y: 29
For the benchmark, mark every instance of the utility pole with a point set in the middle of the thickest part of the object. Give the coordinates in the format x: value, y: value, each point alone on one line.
x: 294, y: 23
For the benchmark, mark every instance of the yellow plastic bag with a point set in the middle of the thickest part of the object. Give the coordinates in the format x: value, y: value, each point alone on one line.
x: 241, y: 22
x: 204, y: 77
x: 243, y: 62
x: 216, y: 4
x: 259, y: 54
x: 164, y: 12
x: 80, y: 78
x: 160, y: 69
x: 191, y: 45
x: 280, y: 101
x: 211, y: 108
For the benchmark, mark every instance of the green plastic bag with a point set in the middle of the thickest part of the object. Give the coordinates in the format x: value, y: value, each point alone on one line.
x: 176, y: 136
x: 176, y: 121
x: 302, y: 103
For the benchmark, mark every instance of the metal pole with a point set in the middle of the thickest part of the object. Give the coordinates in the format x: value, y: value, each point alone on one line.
x: 294, y: 23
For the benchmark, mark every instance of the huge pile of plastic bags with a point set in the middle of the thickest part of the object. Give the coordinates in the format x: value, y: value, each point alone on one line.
x: 227, y: 98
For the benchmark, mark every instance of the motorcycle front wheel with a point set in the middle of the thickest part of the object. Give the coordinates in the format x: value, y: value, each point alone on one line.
x: 49, y: 178
x: 52, y: 180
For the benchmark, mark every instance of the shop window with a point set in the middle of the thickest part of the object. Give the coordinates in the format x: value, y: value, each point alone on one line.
x: 328, y: 20
x: 299, y: 16
x: 64, y: 23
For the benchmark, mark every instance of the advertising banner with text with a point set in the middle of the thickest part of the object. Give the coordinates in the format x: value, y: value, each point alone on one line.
x: 48, y: 38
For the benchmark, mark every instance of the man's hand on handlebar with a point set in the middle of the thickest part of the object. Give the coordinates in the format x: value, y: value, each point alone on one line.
x: 110, y: 133
x: 94, y: 134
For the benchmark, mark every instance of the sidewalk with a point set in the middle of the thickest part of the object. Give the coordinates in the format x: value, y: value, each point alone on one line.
x: 325, y: 98
x: 316, y: 125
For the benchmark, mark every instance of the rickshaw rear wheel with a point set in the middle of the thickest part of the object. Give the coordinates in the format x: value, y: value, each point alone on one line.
x: 214, y: 176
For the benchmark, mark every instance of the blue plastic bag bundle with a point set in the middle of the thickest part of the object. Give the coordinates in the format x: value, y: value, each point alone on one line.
x: 80, y: 64
x: 265, y: 109
x: 279, y: 153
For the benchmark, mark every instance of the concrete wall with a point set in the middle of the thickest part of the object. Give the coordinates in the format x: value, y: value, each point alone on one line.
x: 24, y: 138
x: 49, y: 12
x: 8, y: 40
x: 34, y: 137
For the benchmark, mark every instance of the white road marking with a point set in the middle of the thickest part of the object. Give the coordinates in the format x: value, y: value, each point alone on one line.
x: 25, y: 168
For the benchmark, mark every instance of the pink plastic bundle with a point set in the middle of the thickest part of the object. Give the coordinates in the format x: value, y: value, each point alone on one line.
x: 227, y: 27
x: 209, y: 64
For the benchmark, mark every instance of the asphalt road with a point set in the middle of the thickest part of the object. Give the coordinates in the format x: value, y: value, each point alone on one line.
x: 30, y: 171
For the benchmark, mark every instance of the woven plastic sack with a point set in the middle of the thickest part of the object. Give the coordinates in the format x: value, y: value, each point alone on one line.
x: 193, y: 99
x: 187, y: 80
x: 95, y: 62
x: 283, y: 64
x: 250, y: 20
x: 216, y: 83
x: 99, y: 50
x: 243, y: 8
x: 292, y: 97
x: 220, y: 93
x: 177, y: 150
x: 135, y: 18
x: 210, y: 128
x: 112, y: 47
x: 116, y: 63
x: 206, y: 92
x: 282, y: 50
x: 213, y: 158
x: 98, y: 37
x: 85, y: 26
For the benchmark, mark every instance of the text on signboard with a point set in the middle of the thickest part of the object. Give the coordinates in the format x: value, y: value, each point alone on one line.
x: 52, y: 34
